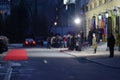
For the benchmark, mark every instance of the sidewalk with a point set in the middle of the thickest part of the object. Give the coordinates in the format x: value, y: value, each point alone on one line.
x: 100, y: 57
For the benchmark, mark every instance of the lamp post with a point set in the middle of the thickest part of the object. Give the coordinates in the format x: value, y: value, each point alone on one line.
x: 106, y: 15
x: 109, y: 22
x: 117, y: 28
x: 100, y: 16
x: 116, y: 24
x: 55, y: 23
x: 77, y: 20
x: 115, y: 12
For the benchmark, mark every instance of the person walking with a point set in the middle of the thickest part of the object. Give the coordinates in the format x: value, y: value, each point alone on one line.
x: 111, y: 44
x: 94, y: 43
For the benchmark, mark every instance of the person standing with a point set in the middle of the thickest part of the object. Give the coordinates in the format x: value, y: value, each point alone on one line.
x: 111, y: 44
x: 90, y: 36
x: 73, y: 43
x: 78, y: 43
x: 94, y: 43
x: 69, y: 42
x: 65, y: 41
x: 49, y: 42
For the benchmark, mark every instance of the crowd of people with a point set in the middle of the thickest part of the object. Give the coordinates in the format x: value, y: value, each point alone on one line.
x: 70, y: 41
x: 77, y: 41
x: 99, y: 32
x: 96, y: 35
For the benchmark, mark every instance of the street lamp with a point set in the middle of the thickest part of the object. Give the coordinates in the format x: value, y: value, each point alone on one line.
x: 100, y: 16
x: 117, y: 28
x: 115, y: 12
x: 77, y: 20
x: 106, y: 14
x: 55, y: 23
x: 116, y: 20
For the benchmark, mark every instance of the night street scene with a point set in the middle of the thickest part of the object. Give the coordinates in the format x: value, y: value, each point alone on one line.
x: 59, y: 39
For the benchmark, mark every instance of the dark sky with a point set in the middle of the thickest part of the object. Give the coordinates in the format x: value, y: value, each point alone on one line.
x: 45, y: 11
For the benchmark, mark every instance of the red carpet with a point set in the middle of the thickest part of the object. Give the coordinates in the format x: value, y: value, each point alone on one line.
x: 16, y: 54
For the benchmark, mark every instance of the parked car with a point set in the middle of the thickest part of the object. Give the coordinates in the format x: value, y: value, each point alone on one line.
x: 29, y: 42
x: 3, y: 44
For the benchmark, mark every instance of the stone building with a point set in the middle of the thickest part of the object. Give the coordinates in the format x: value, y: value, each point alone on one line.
x: 105, y: 14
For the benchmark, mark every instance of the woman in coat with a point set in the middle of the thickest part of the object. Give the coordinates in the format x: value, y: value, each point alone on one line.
x: 94, y: 43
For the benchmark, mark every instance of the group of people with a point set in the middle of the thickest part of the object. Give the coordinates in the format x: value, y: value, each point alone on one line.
x: 54, y: 41
x: 72, y: 42
x: 110, y: 43
x: 96, y: 35
x: 75, y: 42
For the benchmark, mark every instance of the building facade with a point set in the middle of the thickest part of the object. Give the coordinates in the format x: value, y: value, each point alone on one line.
x: 103, y: 14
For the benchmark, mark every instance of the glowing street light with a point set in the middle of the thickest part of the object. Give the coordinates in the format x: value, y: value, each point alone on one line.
x: 77, y: 21
x: 55, y: 23
x: 106, y: 14
x: 100, y: 16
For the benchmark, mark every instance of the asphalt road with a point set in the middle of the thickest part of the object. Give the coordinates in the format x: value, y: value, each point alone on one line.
x: 51, y: 64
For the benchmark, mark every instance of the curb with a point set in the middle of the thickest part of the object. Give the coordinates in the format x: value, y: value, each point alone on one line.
x: 100, y: 63
x: 107, y: 65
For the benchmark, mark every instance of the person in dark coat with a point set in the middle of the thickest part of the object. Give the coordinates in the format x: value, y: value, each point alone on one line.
x: 73, y: 42
x: 78, y: 43
x: 49, y: 42
x: 111, y: 44
x: 90, y: 36
x: 69, y: 42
